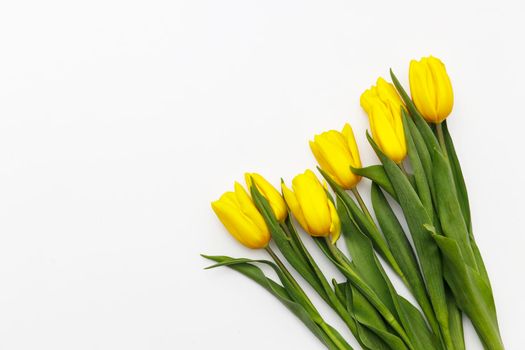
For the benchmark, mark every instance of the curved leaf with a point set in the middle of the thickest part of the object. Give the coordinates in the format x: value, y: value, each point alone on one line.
x: 377, y: 174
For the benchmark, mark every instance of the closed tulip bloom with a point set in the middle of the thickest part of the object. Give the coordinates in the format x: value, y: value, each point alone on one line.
x: 383, y: 106
x: 269, y: 192
x: 336, y: 151
x: 311, y: 206
x: 431, y: 89
x: 241, y: 218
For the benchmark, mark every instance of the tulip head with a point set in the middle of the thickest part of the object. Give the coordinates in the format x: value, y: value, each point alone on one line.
x: 383, y: 106
x: 336, y: 152
x: 240, y: 216
x: 431, y: 89
x: 309, y: 203
x: 269, y: 192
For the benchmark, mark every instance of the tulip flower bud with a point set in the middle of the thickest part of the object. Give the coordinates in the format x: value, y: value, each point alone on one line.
x: 311, y: 206
x: 383, y: 106
x: 269, y: 192
x: 431, y: 89
x: 241, y: 218
x: 335, y: 152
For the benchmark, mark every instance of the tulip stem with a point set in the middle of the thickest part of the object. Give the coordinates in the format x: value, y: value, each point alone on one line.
x: 291, y: 279
x: 441, y: 138
x: 362, y: 204
x: 316, y: 317
x: 281, y: 265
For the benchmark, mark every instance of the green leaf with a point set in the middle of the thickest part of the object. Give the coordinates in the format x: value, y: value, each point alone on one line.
x: 403, y: 253
x: 462, y: 194
x: 293, y: 290
x: 422, y: 185
x: 363, y: 257
x: 332, y: 299
x: 428, y: 253
x: 370, y: 326
x: 297, y: 255
x: 479, y: 261
x: 366, y: 224
x: 416, y: 326
x: 367, y: 274
x: 404, y: 96
x: 422, y: 151
x: 448, y: 209
x: 455, y: 321
x: 377, y: 174
x: 459, y: 181
x: 373, y: 330
x: 471, y: 292
x: 255, y: 273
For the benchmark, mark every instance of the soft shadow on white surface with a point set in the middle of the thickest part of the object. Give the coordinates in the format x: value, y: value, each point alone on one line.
x: 121, y: 120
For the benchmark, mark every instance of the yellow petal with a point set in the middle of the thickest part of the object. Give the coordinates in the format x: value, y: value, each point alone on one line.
x: 387, y: 91
x: 238, y: 224
x: 419, y: 89
x: 335, y: 227
x: 431, y: 89
x: 334, y: 149
x: 384, y: 134
x: 367, y: 99
x: 323, y: 163
x: 348, y: 134
x: 294, y: 206
x: 313, y: 201
x: 247, y: 207
x: 384, y: 112
x: 444, y: 94
x: 269, y: 192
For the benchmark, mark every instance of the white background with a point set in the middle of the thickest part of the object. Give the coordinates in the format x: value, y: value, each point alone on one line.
x: 121, y: 120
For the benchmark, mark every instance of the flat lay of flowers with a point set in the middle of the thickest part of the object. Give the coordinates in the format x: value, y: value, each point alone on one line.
x: 418, y: 175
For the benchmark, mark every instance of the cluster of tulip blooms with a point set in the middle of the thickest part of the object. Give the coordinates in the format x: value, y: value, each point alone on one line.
x: 420, y: 172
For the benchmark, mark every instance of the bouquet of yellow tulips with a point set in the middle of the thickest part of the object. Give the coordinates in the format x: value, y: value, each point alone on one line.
x: 419, y: 170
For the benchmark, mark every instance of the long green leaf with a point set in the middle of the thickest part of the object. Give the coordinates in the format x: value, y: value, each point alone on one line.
x: 461, y: 191
x: 369, y: 268
x: 448, y: 208
x: 255, y: 273
x: 301, y: 260
x: 455, y: 321
x: 370, y: 321
x: 362, y: 309
x: 459, y: 181
x: 366, y: 273
x: 416, y: 326
x: 334, y: 301
x: 422, y: 150
x: 471, y: 292
x: 427, y: 251
x: 362, y: 254
x: 422, y: 185
x: 366, y: 225
x: 377, y: 174
x: 403, y: 253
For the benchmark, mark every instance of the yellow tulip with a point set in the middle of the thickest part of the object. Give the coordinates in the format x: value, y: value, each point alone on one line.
x: 431, y: 89
x: 383, y: 106
x: 241, y: 218
x: 311, y: 206
x: 269, y: 192
x: 335, y: 152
